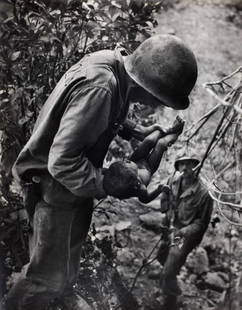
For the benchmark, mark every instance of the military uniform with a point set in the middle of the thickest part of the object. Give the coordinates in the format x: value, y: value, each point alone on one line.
x: 65, y: 155
x: 190, y: 211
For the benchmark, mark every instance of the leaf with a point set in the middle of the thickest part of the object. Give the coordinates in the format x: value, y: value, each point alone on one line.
x: 55, y: 12
x: 117, y: 5
x: 8, y: 19
x: 44, y: 39
x: 15, y: 56
x: 23, y: 120
x: 149, y: 24
x: 122, y: 225
x: 113, y: 10
x: 105, y: 38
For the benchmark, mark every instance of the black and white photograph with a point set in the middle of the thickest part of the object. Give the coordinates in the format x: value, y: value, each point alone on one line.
x: 120, y: 154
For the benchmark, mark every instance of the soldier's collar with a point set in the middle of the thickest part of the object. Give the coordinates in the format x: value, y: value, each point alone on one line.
x: 190, y: 190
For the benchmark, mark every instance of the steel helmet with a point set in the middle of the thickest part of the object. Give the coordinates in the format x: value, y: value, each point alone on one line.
x: 186, y: 158
x: 165, y: 67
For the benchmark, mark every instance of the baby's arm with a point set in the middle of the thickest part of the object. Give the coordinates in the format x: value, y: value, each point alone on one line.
x: 146, y: 196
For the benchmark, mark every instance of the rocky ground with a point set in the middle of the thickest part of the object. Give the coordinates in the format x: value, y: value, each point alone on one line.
x: 213, y: 30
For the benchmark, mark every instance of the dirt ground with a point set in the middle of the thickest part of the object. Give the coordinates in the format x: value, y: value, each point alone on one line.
x: 214, y: 33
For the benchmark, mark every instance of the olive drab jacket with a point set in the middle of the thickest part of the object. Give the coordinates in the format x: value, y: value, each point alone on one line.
x: 191, y: 209
x: 74, y: 129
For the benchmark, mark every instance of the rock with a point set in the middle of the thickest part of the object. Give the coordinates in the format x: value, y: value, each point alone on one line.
x: 198, y: 262
x: 125, y: 257
x: 213, y: 281
x: 155, y: 204
x: 122, y: 225
x: 224, y: 276
x: 117, y: 227
x: 154, y: 272
x: 152, y: 220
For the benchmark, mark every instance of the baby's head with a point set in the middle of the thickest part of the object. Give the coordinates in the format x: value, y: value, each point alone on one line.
x: 123, y: 174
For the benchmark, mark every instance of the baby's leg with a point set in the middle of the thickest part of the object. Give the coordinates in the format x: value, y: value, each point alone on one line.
x: 156, y: 155
x: 143, y: 150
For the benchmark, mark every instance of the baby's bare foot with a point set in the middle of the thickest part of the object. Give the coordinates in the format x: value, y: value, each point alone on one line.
x: 177, y: 126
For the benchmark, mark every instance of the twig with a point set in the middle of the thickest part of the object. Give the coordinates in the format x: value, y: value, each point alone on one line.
x: 229, y: 165
x: 145, y: 263
x: 227, y: 193
x: 227, y: 77
x: 222, y: 101
x: 212, y: 141
x: 235, y: 128
x: 221, y: 135
x: 205, y: 116
x: 227, y: 219
x: 99, y: 202
x: 197, y: 130
x: 235, y: 206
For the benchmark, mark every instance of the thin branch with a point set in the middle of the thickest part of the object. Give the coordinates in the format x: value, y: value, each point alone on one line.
x: 229, y: 165
x: 239, y: 70
x: 205, y: 116
x: 212, y: 141
x: 221, y: 135
x: 235, y: 206
x: 222, y: 101
x: 227, y: 219
x: 145, y: 263
x: 236, y: 127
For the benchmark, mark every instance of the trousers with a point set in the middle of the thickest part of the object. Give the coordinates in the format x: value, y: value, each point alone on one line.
x: 55, y: 249
x: 173, y: 258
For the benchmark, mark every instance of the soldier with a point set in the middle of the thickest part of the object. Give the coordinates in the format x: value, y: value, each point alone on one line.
x: 60, y: 167
x: 188, y: 208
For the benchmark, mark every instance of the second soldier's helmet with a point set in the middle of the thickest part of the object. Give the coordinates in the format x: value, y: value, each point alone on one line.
x: 165, y: 67
x: 185, y: 158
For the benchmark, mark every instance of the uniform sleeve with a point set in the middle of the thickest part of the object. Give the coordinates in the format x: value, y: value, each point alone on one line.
x: 84, y: 120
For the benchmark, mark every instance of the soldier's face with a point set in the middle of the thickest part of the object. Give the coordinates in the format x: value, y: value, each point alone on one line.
x: 138, y: 94
x: 186, y: 167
